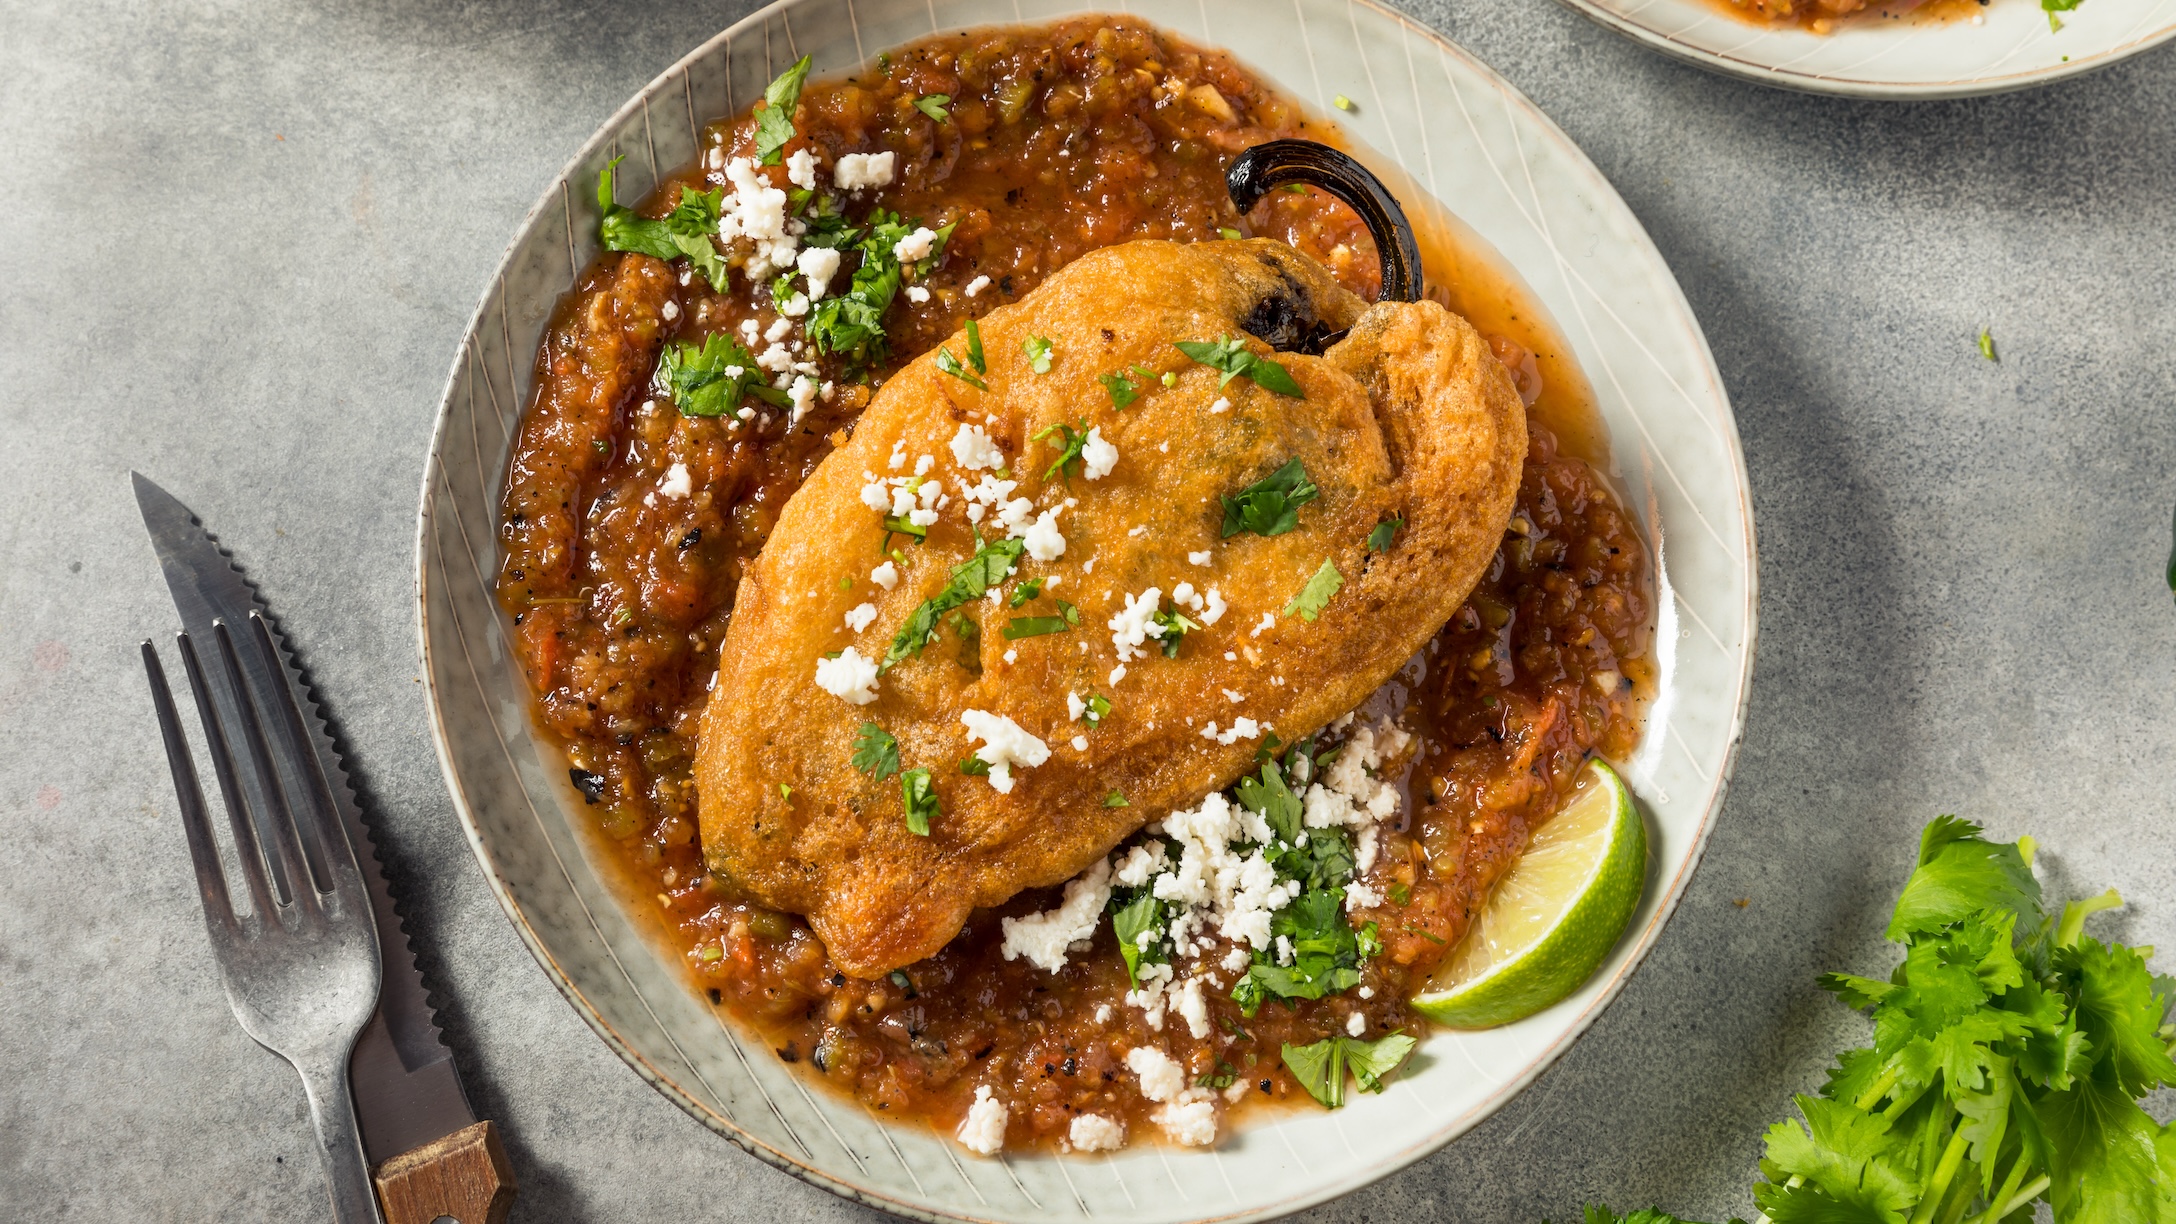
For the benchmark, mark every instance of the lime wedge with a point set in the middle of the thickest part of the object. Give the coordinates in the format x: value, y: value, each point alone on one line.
x: 1554, y: 918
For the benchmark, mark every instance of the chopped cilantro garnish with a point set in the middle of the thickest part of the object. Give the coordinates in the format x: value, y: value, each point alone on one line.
x: 1033, y: 626
x: 785, y: 791
x: 920, y: 798
x: 1236, y: 360
x: 1097, y: 706
x: 1024, y: 592
x: 713, y: 378
x: 1228, y: 233
x: 1315, y: 596
x: 1320, y: 1067
x: 899, y: 525
x: 1380, y: 538
x: 948, y: 364
x: 1123, y: 389
x: 876, y: 753
x: 774, y: 123
x: 1270, y: 506
x: 1140, y: 913
x: 976, y: 575
x: 934, y: 105
x: 1038, y: 349
x: 685, y: 232
x: 1987, y: 339
x: 974, y: 348
x: 975, y: 767
x: 1221, y: 1077
x: 1175, y: 626
x: 1071, y: 443
x: 1115, y: 800
x: 1341, y: 102
x: 852, y: 323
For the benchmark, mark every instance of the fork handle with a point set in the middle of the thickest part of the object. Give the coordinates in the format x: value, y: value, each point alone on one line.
x: 465, y: 1176
x: 340, y: 1141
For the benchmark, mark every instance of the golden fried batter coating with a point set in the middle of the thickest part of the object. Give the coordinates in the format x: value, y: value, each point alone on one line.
x: 1409, y: 417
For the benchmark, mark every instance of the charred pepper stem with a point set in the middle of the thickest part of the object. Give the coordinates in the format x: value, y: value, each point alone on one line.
x: 1266, y: 167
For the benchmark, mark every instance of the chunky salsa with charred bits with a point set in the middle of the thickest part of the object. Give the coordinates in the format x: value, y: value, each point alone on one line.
x: 680, y: 401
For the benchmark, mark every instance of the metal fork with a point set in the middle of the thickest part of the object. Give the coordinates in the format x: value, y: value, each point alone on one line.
x: 302, y: 971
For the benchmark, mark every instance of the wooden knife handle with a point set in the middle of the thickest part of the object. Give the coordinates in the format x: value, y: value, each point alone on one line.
x: 464, y: 1175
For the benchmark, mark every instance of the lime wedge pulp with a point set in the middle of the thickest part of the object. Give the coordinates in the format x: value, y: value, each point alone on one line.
x: 1554, y: 917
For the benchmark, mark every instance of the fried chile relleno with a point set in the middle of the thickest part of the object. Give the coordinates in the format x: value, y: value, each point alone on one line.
x: 1159, y: 592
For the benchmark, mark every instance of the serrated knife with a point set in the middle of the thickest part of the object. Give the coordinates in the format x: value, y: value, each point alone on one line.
x: 429, y: 1154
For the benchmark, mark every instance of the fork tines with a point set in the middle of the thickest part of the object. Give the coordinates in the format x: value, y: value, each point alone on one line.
x: 285, y: 798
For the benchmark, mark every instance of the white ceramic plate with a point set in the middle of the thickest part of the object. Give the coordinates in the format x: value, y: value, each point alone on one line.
x: 1456, y: 129
x: 2012, y: 47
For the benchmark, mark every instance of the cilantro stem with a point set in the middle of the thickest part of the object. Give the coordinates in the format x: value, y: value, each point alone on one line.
x: 1995, y: 1211
x: 1879, y: 1089
x: 1944, y: 1173
x: 2075, y: 913
x: 2026, y: 1193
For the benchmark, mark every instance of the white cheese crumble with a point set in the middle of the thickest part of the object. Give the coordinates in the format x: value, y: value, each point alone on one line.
x: 1043, y: 539
x: 677, y: 481
x: 1269, y: 622
x: 1045, y: 938
x: 1118, y: 673
x: 1221, y: 405
x: 915, y: 246
x: 1192, y: 1123
x: 669, y: 311
x: 983, y: 1129
x: 1004, y: 744
x: 1135, y: 624
x: 1356, y: 1024
x: 1080, y: 743
x: 856, y: 171
x: 858, y: 619
x: 756, y: 211
x: 850, y: 677
x: 976, y: 286
x: 1096, y: 1133
x: 1200, y: 558
x: 1188, y: 1115
x: 801, y: 169
x: 885, y: 575
x: 1074, y: 706
x: 803, y: 394
x: 972, y: 449
x: 917, y: 295
x: 1162, y: 1078
x: 819, y: 265
x: 1097, y: 456
x: 1212, y: 608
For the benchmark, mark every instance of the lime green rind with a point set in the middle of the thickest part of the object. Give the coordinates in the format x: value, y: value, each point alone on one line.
x: 1582, y: 938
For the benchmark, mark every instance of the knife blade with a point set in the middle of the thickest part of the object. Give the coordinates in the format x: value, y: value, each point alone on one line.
x: 407, y: 1092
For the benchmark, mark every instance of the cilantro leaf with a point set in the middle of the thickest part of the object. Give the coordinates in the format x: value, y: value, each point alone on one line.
x: 876, y: 753
x: 1270, y: 506
x: 714, y: 378
x: 1315, y: 596
x: 1115, y: 800
x: 852, y: 323
x: 2120, y: 1013
x: 774, y: 123
x: 1320, y: 1066
x: 1034, y: 626
x: 974, y: 348
x: 1094, y: 709
x: 948, y: 364
x: 975, y: 767
x: 1235, y: 360
x: 1123, y: 390
x: 1175, y: 626
x: 1072, y: 443
x: 1038, y: 349
x: 1960, y: 874
x: 988, y: 567
x: 1380, y: 538
x: 2105, y: 1166
x: 1138, y: 915
x: 934, y: 105
x: 920, y: 798
x: 684, y: 233
x: 1024, y: 592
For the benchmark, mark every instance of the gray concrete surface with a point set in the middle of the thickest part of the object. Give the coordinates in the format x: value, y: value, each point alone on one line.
x: 237, y: 247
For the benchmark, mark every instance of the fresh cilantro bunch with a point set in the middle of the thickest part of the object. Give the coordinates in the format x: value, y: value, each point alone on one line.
x: 2009, y: 1053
